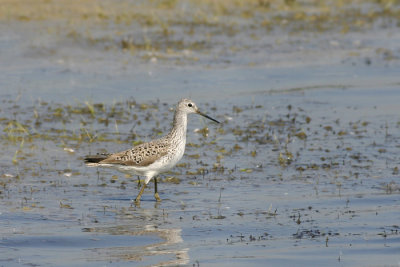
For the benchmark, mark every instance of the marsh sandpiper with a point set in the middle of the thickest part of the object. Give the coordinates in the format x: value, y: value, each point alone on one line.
x: 154, y: 157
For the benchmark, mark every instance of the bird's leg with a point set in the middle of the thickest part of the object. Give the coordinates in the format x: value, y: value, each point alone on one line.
x: 138, y: 183
x: 137, y: 199
x: 156, y: 196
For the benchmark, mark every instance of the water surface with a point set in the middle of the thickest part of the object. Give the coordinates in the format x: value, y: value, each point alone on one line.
x: 303, y: 170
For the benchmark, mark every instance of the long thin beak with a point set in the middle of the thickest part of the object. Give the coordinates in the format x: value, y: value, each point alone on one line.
x: 206, y: 116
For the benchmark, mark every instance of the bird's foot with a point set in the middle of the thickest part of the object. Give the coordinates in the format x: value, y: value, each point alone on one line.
x: 136, y: 201
x: 157, y: 197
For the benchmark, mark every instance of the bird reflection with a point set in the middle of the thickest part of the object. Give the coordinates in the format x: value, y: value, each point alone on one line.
x: 170, y: 246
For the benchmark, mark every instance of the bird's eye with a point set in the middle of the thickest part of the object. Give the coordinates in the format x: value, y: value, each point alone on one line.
x: 190, y: 105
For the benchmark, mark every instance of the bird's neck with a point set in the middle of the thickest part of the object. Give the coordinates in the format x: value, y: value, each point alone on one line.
x: 179, y: 127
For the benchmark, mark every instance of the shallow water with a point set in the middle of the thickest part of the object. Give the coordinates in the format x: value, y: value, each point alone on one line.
x: 302, y: 171
x: 273, y: 199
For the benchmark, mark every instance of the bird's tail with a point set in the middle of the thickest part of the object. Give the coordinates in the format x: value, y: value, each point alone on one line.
x: 93, y: 160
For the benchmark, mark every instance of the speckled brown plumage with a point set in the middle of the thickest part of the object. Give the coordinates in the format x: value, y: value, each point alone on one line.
x: 154, y: 157
x: 141, y: 155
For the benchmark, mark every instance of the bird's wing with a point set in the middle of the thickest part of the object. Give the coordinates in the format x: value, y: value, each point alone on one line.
x: 141, y: 155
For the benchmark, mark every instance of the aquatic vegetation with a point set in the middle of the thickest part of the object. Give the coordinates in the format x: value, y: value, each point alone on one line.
x: 311, y: 165
x: 260, y: 158
x: 173, y: 30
